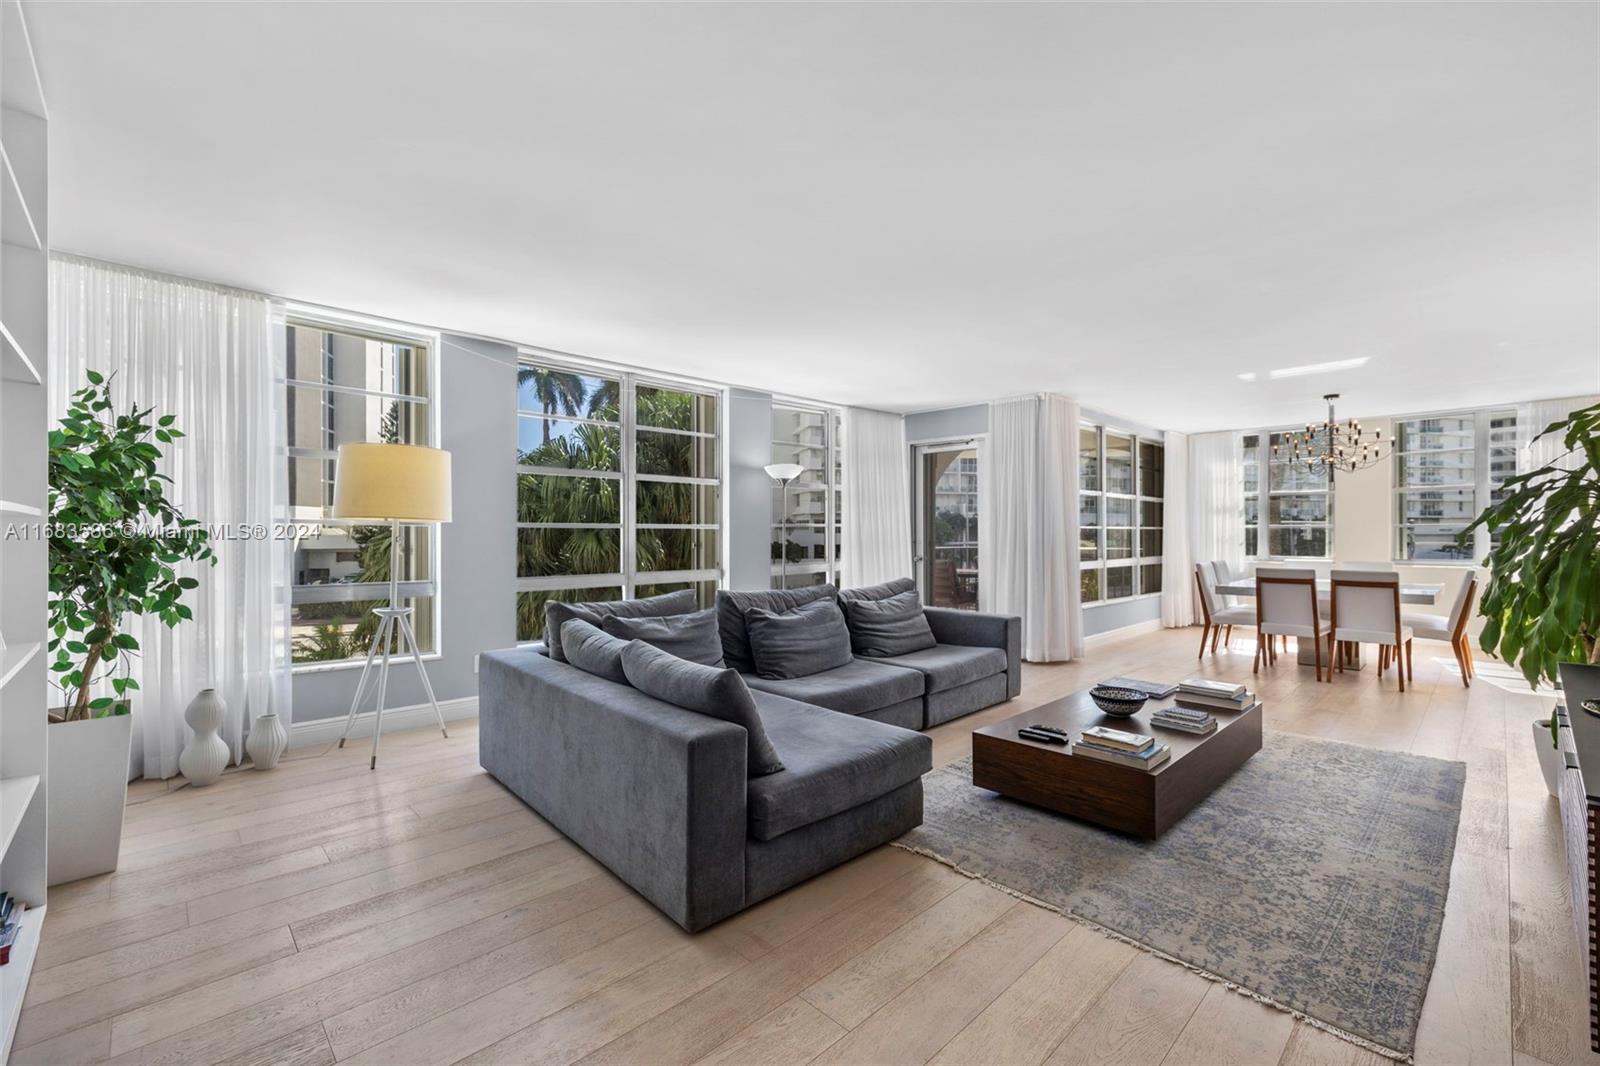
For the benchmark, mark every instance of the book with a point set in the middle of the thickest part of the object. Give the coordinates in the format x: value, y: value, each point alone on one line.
x: 1156, y: 690
x: 1203, y: 686
x: 1117, y: 739
x: 1148, y: 760
x: 1189, y: 701
x: 1182, y: 712
x: 1184, y: 725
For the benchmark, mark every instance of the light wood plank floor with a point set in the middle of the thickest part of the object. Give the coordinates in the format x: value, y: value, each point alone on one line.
x: 320, y: 913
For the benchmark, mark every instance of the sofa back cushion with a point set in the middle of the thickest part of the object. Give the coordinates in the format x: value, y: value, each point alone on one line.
x: 799, y: 642
x: 731, y: 607
x: 688, y: 636
x: 558, y: 614
x: 894, y: 625
x: 704, y: 690
x: 593, y: 651
x: 877, y: 592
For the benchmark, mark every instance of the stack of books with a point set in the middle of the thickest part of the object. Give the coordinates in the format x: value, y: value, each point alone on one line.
x: 1185, y: 720
x: 1135, y: 750
x: 10, y: 925
x: 1202, y: 694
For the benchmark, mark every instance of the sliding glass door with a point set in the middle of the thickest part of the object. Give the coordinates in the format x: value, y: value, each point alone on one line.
x: 947, y: 524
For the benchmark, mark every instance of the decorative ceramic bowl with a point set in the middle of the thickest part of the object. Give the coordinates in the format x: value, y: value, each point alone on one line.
x: 1118, y: 702
x: 1592, y: 706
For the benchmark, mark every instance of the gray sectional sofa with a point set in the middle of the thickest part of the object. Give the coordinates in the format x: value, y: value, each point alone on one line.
x: 664, y: 796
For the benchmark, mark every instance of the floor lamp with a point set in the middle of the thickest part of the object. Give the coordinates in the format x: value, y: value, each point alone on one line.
x: 391, y: 483
x: 783, y: 473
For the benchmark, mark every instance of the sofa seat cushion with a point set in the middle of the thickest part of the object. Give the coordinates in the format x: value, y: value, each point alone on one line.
x: 855, y: 687
x: 832, y: 763
x: 948, y: 666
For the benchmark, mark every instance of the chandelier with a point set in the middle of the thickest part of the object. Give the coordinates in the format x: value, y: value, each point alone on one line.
x: 1324, y: 447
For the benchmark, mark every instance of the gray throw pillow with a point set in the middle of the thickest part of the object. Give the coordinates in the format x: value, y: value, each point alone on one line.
x: 877, y: 592
x: 891, y: 626
x: 732, y: 605
x: 688, y: 636
x: 592, y: 651
x: 800, y: 642
x: 558, y: 614
x: 704, y: 690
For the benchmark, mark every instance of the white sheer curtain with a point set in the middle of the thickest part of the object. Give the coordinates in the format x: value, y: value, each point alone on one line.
x: 203, y: 354
x: 1216, y: 504
x: 877, y: 498
x: 1028, y: 524
x: 1532, y: 418
x: 1177, y: 565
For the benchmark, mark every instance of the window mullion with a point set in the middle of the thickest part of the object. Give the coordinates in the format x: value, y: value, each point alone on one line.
x: 630, y: 490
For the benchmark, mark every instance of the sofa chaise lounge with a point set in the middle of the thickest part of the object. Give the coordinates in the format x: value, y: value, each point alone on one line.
x: 663, y: 796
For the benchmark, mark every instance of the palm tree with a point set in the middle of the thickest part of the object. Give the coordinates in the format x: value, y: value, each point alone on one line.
x: 558, y: 392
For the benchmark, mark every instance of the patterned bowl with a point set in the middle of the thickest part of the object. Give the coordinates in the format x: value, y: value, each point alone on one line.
x: 1118, y: 702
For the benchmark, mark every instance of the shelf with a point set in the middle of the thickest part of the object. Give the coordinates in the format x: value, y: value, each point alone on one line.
x: 16, y: 221
x: 14, y: 975
x: 15, y: 792
x: 14, y: 362
x: 12, y: 507
x: 13, y: 658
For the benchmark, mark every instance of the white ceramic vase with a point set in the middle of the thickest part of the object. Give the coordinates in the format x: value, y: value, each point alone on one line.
x: 266, y: 741
x: 206, y: 755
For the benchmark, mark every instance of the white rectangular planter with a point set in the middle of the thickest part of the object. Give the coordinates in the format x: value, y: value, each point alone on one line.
x: 89, y: 779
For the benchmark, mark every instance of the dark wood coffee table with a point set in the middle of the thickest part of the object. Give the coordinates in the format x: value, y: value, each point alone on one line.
x: 1118, y: 797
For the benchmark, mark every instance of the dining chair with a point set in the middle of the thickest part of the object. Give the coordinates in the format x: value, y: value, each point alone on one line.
x: 1450, y: 627
x: 1364, y: 606
x: 1286, y: 606
x: 1219, y: 619
x: 1225, y: 576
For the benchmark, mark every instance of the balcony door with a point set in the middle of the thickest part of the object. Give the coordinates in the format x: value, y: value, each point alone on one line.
x: 947, y: 523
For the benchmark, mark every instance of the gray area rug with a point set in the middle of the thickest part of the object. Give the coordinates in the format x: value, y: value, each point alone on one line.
x: 1314, y: 878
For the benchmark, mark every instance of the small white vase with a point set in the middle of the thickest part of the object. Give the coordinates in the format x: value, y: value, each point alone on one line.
x: 206, y: 755
x: 266, y: 741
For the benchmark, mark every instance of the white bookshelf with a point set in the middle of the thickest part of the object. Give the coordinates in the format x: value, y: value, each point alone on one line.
x: 24, y: 416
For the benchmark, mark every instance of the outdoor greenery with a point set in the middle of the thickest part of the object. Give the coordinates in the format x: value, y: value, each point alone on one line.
x: 596, y: 501
x: 1541, y: 606
x: 115, y: 545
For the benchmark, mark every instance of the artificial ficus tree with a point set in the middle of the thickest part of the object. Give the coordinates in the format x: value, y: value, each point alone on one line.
x: 1542, y: 606
x: 115, y: 544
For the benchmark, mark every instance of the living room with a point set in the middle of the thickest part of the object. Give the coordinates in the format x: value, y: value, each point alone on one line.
x: 852, y: 533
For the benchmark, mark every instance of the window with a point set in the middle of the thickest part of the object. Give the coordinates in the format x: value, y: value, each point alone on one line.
x: 1446, y: 467
x: 1291, y: 516
x: 1121, y: 484
x: 619, y: 491
x: 806, y: 532
x: 346, y: 386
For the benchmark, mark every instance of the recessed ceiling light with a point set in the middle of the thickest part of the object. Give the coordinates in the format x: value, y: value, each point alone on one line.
x: 1248, y: 377
x: 1318, y: 368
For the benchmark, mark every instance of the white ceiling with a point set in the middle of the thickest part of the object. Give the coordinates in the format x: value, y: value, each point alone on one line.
x: 900, y: 206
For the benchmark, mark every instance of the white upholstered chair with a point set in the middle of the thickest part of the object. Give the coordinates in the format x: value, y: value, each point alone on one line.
x: 1286, y: 606
x: 1225, y: 575
x: 1451, y: 628
x: 1364, y: 608
x: 1217, y: 616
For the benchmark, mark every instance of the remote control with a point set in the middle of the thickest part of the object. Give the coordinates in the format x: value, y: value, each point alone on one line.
x: 1047, y: 738
x: 1062, y: 733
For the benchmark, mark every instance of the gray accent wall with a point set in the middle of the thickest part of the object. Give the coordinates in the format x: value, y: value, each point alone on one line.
x: 477, y: 551
x: 749, y: 490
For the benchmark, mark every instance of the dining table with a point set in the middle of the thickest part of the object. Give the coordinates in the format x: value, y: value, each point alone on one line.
x: 1411, y: 592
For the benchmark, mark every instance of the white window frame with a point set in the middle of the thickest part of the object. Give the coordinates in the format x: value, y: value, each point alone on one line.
x: 1483, y: 483
x: 320, y: 318
x: 628, y: 578
x: 1264, y: 493
x: 831, y: 486
x: 1136, y: 561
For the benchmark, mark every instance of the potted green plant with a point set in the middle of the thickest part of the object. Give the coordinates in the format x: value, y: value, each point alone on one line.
x: 115, y: 545
x: 1541, y: 607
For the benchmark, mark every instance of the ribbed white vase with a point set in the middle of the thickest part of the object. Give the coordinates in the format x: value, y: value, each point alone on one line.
x: 206, y: 755
x: 266, y: 741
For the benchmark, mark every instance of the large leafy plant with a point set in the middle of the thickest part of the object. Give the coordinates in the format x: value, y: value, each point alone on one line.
x: 1542, y: 606
x: 115, y: 544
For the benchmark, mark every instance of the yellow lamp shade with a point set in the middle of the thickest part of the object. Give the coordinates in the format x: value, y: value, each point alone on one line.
x: 392, y: 482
